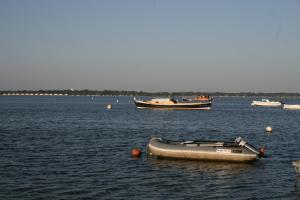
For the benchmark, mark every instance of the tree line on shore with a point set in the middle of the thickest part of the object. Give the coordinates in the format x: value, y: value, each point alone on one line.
x: 142, y: 93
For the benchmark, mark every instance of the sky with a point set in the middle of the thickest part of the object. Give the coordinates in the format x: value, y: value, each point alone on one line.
x: 150, y: 45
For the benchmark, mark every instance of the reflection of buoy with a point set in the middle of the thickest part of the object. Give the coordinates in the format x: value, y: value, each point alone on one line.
x: 109, y: 106
x: 136, y: 152
x: 269, y: 129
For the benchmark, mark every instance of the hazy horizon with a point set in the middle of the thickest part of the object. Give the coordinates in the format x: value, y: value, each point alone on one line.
x: 207, y: 46
x: 156, y: 91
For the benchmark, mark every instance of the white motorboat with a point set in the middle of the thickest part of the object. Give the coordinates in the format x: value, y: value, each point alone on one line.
x: 266, y: 102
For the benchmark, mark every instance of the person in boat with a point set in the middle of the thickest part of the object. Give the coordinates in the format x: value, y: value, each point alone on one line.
x: 173, y: 100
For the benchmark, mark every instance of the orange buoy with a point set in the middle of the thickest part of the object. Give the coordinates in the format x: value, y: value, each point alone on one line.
x: 136, y: 152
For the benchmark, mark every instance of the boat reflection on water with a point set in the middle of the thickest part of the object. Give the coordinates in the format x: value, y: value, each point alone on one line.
x: 214, y: 179
x: 195, y: 166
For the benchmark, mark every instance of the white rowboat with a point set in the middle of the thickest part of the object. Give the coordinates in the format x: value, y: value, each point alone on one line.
x: 291, y: 107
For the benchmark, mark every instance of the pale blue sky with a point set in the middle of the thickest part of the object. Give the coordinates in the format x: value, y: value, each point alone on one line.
x: 158, y: 45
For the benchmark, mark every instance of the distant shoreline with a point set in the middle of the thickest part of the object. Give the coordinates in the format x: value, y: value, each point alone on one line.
x: 140, y: 93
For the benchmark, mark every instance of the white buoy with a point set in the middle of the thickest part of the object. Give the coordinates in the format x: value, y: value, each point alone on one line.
x: 269, y: 129
x: 109, y: 106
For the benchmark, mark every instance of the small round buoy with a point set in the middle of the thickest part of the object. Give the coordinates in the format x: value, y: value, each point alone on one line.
x: 136, y: 152
x: 109, y: 106
x: 262, y: 152
x: 269, y: 129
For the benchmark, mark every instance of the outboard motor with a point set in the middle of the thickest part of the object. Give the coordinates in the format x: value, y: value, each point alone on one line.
x: 243, y: 143
x: 240, y: 141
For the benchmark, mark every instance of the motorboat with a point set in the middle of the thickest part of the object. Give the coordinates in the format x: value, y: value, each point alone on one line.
x: 236, y: 151
x: 266, y: 102
x: 171, y: 103
x: 291, y: 106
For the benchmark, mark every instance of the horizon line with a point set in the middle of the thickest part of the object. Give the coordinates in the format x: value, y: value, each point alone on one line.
x: 142, y: 91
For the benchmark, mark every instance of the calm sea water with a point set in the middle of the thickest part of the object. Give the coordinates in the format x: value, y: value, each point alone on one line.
x: 74, y: 148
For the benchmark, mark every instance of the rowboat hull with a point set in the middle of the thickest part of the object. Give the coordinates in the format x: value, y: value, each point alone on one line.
x: 215, y: 151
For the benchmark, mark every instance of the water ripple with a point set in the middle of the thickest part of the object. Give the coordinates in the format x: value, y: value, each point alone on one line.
x: 74, y: 148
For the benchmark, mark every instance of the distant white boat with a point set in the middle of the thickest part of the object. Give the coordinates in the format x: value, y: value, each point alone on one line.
x: 291, y: 107
x: 266, y: 102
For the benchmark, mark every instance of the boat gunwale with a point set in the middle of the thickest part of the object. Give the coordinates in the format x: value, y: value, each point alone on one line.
x: 174, y: 108
x: 201, y: 151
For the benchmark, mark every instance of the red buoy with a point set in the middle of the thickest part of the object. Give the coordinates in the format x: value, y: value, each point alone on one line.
x: 136, y: 152
x: 262, y: 151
